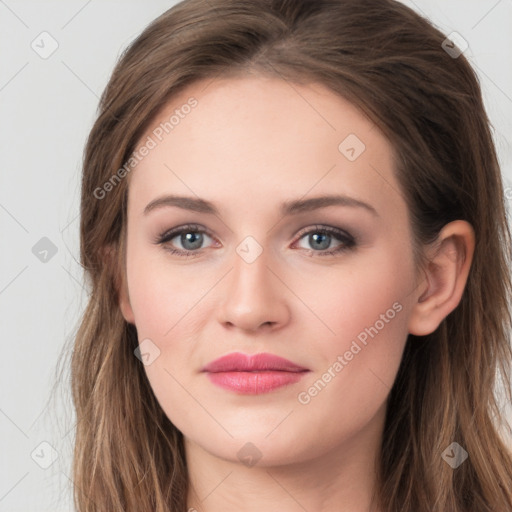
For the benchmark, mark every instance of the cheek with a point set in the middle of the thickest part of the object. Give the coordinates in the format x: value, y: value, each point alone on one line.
x: 162, y: 296
x: 353, y: 301
x: 169, y: 312
x: 364, y: 313
x: 164, y: 305
x: 358, y: 364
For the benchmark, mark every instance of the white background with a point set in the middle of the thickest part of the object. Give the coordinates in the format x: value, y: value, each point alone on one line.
x: 47, y: 107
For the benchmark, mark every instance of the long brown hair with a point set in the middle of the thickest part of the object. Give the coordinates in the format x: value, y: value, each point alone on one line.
x: 391, y: 63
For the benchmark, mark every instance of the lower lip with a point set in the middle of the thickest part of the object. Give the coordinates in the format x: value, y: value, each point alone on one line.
x: 254, y: 383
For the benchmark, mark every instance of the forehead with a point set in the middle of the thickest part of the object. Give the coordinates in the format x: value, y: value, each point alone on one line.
x: 254, y: 136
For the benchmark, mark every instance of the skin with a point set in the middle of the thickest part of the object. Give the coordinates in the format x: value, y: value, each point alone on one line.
x: 252, y: 143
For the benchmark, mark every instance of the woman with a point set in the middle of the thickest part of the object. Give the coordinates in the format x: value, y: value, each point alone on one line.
x: 293, y: 224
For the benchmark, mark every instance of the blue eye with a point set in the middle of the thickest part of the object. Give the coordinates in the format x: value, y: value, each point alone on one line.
x: 320, y: 237
x: 191, y: 238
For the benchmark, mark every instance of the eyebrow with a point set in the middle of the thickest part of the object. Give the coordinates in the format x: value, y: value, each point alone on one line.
x: 287, y: 208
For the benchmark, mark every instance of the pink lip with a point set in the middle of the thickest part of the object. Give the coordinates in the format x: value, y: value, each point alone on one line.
x: 253, y: 374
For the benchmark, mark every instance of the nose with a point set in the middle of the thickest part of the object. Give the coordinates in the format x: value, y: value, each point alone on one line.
x: 254, y: 297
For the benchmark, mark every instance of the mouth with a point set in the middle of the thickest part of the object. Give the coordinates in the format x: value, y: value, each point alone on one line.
x: 253, y: 374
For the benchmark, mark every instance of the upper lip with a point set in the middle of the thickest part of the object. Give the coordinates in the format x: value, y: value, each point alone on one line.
x: 238, y: 362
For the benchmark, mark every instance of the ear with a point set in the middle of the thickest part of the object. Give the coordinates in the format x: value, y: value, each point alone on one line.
x: 446, y: 274
x: 109, y: 255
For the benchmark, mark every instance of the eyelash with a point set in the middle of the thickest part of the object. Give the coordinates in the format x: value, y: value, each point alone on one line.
x: 348, y: 241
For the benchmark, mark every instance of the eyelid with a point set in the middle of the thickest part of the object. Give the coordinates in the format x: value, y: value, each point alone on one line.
x: 326, y: 229
x: 173, y: 232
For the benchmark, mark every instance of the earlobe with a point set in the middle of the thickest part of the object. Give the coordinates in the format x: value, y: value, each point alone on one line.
x: 445, y: 277
x: 109, y: 258
x: 124, y: 303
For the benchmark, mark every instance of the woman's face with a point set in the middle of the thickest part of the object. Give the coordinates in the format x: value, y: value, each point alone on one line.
x: 299, y: 247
